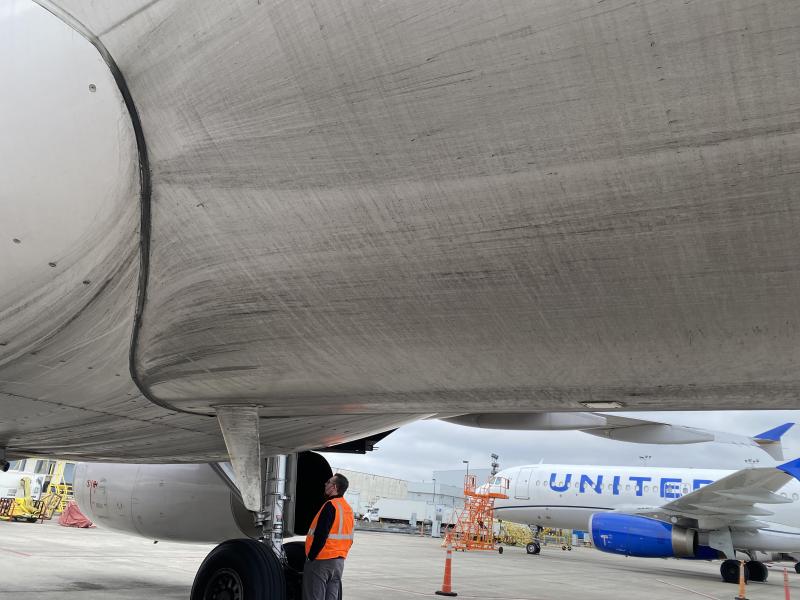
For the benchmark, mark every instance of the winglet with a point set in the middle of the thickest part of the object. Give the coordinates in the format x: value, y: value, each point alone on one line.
x: 774, y: 435
x: 791, y: 468
x: 770, y: 441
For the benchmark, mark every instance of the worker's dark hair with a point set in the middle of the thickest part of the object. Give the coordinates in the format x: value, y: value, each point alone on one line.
x: 341, y: 483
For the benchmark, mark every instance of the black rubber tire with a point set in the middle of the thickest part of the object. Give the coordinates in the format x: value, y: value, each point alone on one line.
x: 500, y: 550
x: 755, y: 571
x: 729, y: 569
x: 533, y: 548
x: 296, y: 559
x: 797, y: 567
x: 245, y: 569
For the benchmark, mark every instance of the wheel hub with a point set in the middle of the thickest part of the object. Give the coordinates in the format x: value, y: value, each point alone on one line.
x: 225, y: 584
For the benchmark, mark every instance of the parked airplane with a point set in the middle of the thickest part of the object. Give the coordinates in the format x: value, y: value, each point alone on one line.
x: 249, y: 229
x: 664, y: 512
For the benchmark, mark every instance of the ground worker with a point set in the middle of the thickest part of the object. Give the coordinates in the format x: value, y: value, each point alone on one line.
x: 327, y: 543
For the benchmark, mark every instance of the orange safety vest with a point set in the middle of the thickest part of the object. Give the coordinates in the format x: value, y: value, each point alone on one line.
x: 340, y: 537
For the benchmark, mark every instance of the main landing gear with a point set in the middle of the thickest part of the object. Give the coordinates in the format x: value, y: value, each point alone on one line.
x: 263, y: 569
x: 533, y: 548
x: 240, y: 569
x: 753, y: 571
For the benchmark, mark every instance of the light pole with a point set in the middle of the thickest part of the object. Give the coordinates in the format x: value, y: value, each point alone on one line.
x: 436, y: 521
x: 466, y: 462
x: 495, y: 464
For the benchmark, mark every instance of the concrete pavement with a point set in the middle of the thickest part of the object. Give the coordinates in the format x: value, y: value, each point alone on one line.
x: 50, y: 562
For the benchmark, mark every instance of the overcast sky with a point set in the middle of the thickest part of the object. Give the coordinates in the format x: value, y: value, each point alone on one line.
x: 416, y: 450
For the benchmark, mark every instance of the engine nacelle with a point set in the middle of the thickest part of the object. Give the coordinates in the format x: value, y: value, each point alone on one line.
x: 185, y: 502
x: 633, y: 535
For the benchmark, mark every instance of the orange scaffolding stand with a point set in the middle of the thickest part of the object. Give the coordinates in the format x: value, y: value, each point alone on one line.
x: 474, y: 529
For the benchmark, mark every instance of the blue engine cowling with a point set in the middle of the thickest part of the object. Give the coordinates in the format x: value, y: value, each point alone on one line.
x: 632, y: 535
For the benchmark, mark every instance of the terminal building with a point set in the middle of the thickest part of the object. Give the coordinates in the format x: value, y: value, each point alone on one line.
x: 375, y: 497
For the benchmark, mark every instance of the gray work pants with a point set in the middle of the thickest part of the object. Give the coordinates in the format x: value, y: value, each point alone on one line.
x: 322, y: 579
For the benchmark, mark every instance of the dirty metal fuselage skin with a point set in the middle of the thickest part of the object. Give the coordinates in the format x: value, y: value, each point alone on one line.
x: 354, y: 215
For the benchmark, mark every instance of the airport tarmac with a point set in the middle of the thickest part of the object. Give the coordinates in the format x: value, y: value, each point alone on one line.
x: 50, y: 562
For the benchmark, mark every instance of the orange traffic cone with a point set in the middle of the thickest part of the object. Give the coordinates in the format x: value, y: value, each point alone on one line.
x: 786, y: 584
x: 741, y: 595
x: 446, y: 587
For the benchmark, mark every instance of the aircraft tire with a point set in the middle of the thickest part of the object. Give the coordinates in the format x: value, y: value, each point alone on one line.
x: 500, y: 550
x: 755, y: 571
x: 797, y: 567
x: 242, y: 568
x: 729, y: 569
x: 295, y: 558
x: 533, y: 548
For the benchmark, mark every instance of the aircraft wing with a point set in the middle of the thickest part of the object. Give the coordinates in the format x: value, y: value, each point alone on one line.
x: 737, y: 498
x: 629, y: 429
x: 621, y: 428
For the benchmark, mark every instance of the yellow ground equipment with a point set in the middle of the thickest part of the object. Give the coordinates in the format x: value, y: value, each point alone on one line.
x: 514, y: 534
x: 64, y: 492
x: 58, y: 487
x: 28, y: 509
x: 558, y: 537
x: 6, y: 506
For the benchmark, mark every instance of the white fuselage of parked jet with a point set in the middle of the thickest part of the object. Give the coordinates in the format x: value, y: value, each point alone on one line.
x: 566, y: 496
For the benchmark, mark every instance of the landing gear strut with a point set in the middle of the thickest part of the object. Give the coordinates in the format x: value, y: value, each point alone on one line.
x: 534, y: 547
x: 247, y: 569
